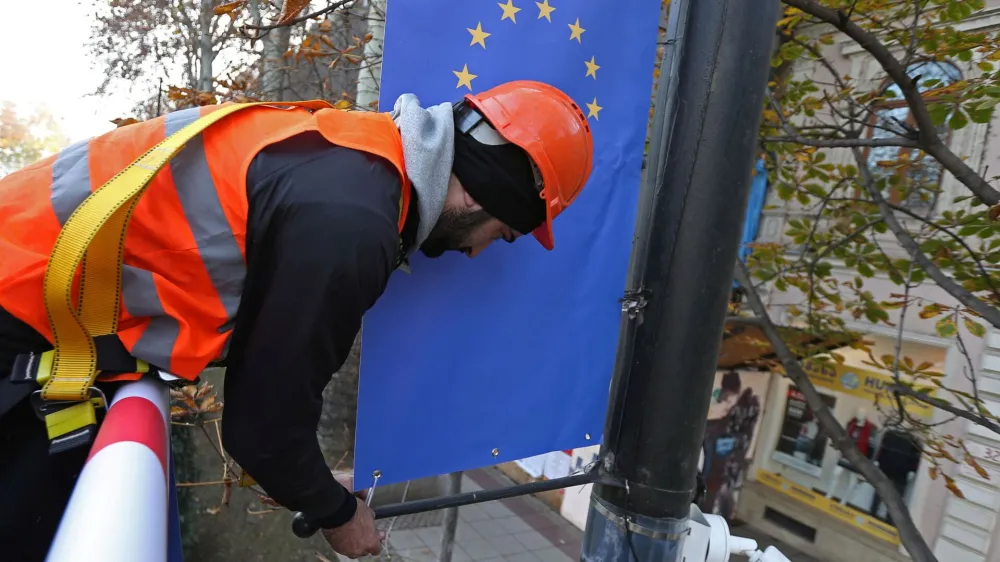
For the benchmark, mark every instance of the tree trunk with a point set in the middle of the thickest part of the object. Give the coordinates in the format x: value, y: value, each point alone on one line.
x: 272, y: 72
x: 368, y: 80
x: 206, y: 56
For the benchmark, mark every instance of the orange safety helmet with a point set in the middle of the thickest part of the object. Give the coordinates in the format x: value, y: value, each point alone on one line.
x: 548, y: 125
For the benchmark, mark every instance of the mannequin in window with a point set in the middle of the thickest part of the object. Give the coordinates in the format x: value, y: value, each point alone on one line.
x: 862, y: 431
x: 898, y: 457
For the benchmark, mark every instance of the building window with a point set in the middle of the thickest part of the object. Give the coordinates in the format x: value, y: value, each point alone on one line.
x: 914, y: 182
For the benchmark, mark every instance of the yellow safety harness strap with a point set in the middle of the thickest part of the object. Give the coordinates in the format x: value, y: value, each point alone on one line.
x: 94, y: 237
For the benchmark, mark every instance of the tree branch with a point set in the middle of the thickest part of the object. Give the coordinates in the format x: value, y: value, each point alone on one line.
x: 943, y: 404
x: 300, y: 19
x: 989, y: 313
x: 846, y: 143
x: 929, y: 140
x: 908, y: 532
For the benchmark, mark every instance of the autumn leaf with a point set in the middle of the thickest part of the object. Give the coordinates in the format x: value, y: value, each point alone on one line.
x: 342, y: 104
x: 946, y: 327
x: 124, y: 122
x: 995, y: 212
x: 975, y: 328
x: 979, y: 469
x: 213, y: 510
x: 933, y: 472
x: 930, y: 311
x: 227, y: 8
x: 291, y: 9
x: 177, y: 411
x: 950, y: 484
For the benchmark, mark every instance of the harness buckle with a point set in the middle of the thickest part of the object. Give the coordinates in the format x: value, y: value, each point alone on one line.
x: 69, y: 423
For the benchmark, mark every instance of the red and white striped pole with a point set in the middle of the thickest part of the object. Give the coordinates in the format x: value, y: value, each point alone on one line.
x: 118, y: 510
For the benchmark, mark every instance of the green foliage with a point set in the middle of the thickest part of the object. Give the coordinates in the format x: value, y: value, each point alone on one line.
x: 26, y: 138
x: 854, y: 165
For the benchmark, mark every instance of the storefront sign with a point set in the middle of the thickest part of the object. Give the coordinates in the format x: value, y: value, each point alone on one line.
x: 866, y: 523
x: 870, y: 385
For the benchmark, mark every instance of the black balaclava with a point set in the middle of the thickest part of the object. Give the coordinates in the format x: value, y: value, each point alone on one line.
x: 499, y: 177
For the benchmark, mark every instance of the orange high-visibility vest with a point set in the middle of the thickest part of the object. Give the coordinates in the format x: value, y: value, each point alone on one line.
x: 185, y: 257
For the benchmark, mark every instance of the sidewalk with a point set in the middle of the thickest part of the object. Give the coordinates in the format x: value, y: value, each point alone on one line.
x: 519, y: 529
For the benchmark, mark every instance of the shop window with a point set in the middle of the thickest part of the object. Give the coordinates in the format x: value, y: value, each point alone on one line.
x: 914, y: 185
x: 802, y: 444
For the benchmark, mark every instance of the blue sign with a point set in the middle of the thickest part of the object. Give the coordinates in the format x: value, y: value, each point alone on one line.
x: 471, y: 362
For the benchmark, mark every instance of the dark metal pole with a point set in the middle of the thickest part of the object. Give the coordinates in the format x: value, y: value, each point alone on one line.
x: 304, y: 528
x: 691, y: 213
x: 450, y: 518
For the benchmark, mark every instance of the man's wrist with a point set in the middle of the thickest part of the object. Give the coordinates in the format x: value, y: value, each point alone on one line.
x: 343, y: 514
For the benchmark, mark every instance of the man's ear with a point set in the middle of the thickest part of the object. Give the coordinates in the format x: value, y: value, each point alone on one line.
x: 467, y: 202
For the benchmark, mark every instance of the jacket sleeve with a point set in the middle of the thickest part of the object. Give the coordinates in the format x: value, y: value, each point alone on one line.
x: 321, y: 247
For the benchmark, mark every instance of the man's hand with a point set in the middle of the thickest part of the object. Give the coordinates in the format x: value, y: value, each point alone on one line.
x: 358, y: 536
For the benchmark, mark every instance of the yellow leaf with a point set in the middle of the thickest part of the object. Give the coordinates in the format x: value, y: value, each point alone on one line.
x: 227, y: 8
x: 975, y: 328
x: 342, y: 104
x: 933, y: 470
x: 950, y: 484
x: 979, y: 470
x: 291, y: 9
x: 177, y: 411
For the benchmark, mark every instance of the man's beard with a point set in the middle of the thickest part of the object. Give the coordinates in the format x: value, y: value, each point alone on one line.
x: 451, y: 230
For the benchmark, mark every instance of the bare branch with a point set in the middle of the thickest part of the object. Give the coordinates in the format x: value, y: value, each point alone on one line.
x: 929, y: 140
x: 943, y: 404
x: 989, y: 313
x: 265, y: 28
x: 908, y: 532
x: 846, y: 143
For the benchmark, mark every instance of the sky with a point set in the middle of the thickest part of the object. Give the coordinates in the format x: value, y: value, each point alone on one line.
x: 45, y: 62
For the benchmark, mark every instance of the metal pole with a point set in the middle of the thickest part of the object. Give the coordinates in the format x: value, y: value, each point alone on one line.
x: 450, y: 518
x: 305, y: 528
x: 691, y: 212
x: 124, y: 480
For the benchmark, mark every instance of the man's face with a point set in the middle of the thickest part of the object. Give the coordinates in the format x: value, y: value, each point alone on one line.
x: 466, y: 231
x: 464, y: 226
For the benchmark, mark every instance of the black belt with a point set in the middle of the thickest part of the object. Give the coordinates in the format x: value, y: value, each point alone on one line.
x: 112, y: 358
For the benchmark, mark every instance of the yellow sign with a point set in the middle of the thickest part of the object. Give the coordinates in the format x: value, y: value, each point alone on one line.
x: 870, y: 385
x: 864, y: 522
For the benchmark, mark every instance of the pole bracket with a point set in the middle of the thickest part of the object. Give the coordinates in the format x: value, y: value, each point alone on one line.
x: 634, y: 301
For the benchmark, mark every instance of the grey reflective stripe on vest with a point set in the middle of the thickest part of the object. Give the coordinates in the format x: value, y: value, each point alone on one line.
x: 217, y: 246
x: 157, y: 341
x: 70, y: 180
x: 215, y: 239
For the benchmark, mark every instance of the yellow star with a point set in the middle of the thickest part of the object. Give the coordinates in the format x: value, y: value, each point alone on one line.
x: 464, y: 77
x: 509, y: 11
x: 591, y: 68
x: 576, y: 32
x: 594, y: 108
x: 478, y: 35
x: 544, y: 10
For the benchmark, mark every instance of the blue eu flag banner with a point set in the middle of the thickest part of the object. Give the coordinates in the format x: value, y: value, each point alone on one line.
x: 470, y: 362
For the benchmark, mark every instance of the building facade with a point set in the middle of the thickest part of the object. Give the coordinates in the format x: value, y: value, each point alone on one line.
x: 800, y: 489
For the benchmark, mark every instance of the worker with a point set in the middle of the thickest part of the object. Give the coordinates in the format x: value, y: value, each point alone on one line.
x: 263, y: 242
